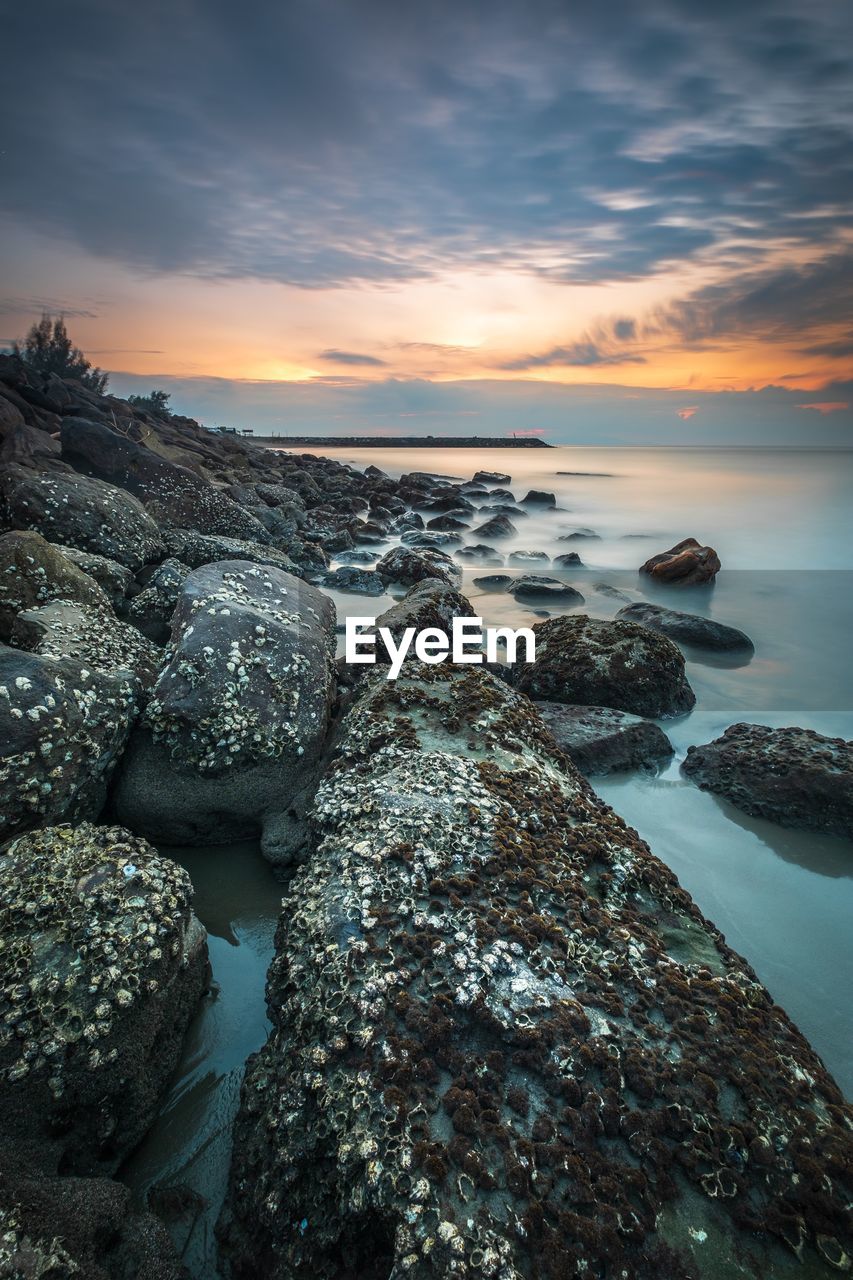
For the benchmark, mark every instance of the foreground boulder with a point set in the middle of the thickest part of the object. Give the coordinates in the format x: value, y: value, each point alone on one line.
x: 505, y: 1042
x: 795, y: 777
x: 102, y: 965
x: 688, y: 628
x: 688, y: 563
x: 63, y: 727
x: 584, y: 661
x: 409, y: 565
x: 600, y: 740
x: 33, y: 572
x: 232, y: 735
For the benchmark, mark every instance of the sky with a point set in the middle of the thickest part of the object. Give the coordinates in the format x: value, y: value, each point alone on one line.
x: 603, y: 222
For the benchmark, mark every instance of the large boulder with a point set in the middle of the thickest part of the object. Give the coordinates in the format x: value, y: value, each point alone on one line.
x: 231, y: 738
x: 80, y: 511
x: 506, y: 1043
x: 687, y: 628
x: 587, y: 662
x: 409, y: 565
x: 169, y: 491
x: 795, y: 777
x: 33, y: 572
x: 63, y: 726
x: 686, y: 564
x: 600, y: 740
x: 102, y: 965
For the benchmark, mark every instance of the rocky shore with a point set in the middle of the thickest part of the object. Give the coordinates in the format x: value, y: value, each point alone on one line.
x: 505, y: 1042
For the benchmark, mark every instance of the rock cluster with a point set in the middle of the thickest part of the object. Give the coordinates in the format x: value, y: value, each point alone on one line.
x: 505, y: 1042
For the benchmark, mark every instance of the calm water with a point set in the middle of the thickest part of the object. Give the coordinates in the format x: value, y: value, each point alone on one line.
x: 781, y: 523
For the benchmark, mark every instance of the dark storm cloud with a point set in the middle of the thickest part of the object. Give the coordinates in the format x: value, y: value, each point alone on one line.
x: 326, y: 141
x: 349, y: 357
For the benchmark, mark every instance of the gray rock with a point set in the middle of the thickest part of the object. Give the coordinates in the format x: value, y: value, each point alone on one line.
x: 410, y: 565
x: 533, y: 587
x: 480, y: 552
x: 569, y: 560
x: 63, y: 727
x: 429, y: 538
x: 93, y: 637
x: 601, y: 740
x: 491, y: 477
x: 233, y: 733
x: 197, y: 549
x: 792, y: 776
x: 497, y: 527
x: 33, y: 572
x: 587, y: 662
x: 115, y: 578
x: 151, y: 611
x: 688, y: 628
x: 355, y: 581
x: 529, y: 557
x: 102, y: 967
x: 447, y: 524
x: 578, y: 535
x: 493, y: 582
x: 539, y: 498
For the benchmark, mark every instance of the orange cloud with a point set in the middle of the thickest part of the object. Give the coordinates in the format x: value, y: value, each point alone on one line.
x: 826, y: 406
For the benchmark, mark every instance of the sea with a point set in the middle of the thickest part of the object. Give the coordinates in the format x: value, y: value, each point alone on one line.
x: 781, y: 521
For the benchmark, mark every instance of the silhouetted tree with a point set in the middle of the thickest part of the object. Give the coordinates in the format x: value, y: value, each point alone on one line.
x: 47, y: 348
x: 154, y: 402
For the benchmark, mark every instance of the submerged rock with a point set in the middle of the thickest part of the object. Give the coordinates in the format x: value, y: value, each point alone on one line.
x: 353, y: 580
x: 497, y: 527
x: 506, y: 1043
x: 600, y: 740
x: 409, y: 565
x: 491, y: 477
x: 688, y: 563
x: 102, y: 965
x: 689, y: 628
x: 482, y: 553
x: 63, y: 726
x: 539, y: 498
x: 534, y: 587
x: 529, y: 557
x: 795, y: 777
x: 592, y: 663
x: 231, y: 737
x: 33, y: 572
x: 568, y: 560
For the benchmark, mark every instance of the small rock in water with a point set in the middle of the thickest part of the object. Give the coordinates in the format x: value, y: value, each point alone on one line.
x: 601, y: 740
x: 482, y: 553
x: 493, y: 582
x: 529, y: 557
x: 491, y: 477
x: 577, y: 534
x: 688, y: 563
x: 539, y: 498
x: 688, y: 628
x: 497, y: 527
x: 532, y: 586
x: 569, y: 559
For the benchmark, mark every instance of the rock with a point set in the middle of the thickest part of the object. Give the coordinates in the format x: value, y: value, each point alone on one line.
x: 591, y: 663
x: 102, y: 967
x: 504, y: 509
x: 497, y: 527
x: 350, y: 579
x: 33, y: 572
x: 491, y: 477
x: 151, y: 611
x: 529, y: 557
x: 493, y: 582
x: 451, y: 504
x: 579, y: 534
x: 613, y: 593
x: 446, y: 524
x: 170, y: 492
x: 407, y: 522
x: 542, y: 590
x: 339, y: 541
x: 686, y: 564
x: 198, y: 549
x: 232, y: 736
x: 795, y: 777
x: 429, y: 538
x: 94, y: 637
x: 569, y: 560
x: 539, y: 498
x: 80, y: 512
x: 688, y: 628
x: 115, y: 578
x: 410, y: 565
x: 480, y: 552
x: 355, y: 557
x: 600, y: 740
x: 496, y: 1019
x: 63, y: 727
x: 430, y: 603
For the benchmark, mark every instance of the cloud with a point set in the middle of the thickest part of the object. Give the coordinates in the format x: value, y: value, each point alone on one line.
x: 349, y: 357
x: 582, y: 354
x: 324, y: 143
x: 686, y: 414
x: 827, y: 406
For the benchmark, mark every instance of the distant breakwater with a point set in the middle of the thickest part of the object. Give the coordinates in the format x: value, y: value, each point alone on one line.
x: 403, y: 442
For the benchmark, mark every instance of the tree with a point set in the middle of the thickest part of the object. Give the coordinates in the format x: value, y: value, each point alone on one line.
x: 47, y: 348
x: 154, y: 402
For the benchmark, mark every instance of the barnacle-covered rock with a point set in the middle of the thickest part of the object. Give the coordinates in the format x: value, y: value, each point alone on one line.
x: 115, y: 578
x: 102, y: 964
x: 198, y: 549
x: 505, y: 1042
x: 169, y: 491
x: 94, y: 637
x: 409, y: 565
x: 33, y: 571
x: 600, y: 740
x: 152, y: 609
x: 232, y: 735
x: 795, y: 777
x: 587, y: 662
x: 63, y: 726
x: 81, y: 512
